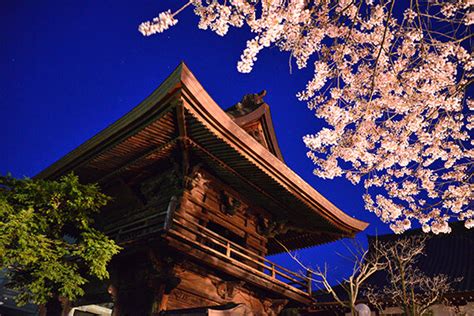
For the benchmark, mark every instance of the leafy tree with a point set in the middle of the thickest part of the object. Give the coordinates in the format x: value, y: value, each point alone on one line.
x: 48, y: 245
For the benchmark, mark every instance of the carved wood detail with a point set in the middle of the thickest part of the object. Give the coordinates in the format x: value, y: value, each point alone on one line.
x: 256, y: 131
x: 229, y: 204
x: 271, y: 228
x: 227, y: 289
x: 275, y: 306
x: 196, y: 179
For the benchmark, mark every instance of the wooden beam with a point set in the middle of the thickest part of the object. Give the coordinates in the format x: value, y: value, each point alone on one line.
x: 129, y: 163
x: 183, y: 134
x: 170, y: 212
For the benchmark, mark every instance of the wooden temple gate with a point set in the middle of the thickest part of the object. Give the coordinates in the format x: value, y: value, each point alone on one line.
x: 201, y: 197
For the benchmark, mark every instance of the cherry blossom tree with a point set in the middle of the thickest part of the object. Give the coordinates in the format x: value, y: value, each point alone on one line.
x: 390, y: 81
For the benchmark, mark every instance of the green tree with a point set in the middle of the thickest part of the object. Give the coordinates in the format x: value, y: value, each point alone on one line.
x: 48, y: 245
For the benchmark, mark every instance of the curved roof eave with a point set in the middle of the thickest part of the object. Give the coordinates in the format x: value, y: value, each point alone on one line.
x: 211, y: 113
x: 262, y: 113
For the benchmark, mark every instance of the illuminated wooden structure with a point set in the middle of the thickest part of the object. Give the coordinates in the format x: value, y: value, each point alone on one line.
x: 201, y: 196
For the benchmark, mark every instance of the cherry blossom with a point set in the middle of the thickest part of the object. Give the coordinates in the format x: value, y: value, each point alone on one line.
x: 391, y: 89
x: 159, y: 24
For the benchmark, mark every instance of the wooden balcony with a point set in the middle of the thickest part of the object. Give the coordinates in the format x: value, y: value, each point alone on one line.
x: 189, y: 237
x: 130, y: 229
x: 225, y: 255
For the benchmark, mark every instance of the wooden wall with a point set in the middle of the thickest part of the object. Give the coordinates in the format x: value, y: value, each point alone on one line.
x: 213, y: 204
x: 200, y: 287
x: 138, y: 212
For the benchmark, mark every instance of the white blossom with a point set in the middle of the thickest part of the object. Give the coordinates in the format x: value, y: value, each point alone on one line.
x: 469, y: 223
x: 159, y: 24
x: 392, y: 91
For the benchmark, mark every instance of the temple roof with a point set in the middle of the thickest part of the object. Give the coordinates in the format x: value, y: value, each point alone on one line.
x: 253, y: 115
x: 239, y: 145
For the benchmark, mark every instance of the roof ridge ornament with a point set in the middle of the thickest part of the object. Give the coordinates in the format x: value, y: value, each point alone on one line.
x: 249, y: 103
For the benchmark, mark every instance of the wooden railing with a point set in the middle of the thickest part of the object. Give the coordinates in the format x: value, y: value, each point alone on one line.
x: 130, y: 230
x: 220, y: 246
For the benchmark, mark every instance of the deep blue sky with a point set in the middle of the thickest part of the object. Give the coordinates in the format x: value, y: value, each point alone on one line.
x: 71, y: 68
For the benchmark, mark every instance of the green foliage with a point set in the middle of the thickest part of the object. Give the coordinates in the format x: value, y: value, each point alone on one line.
x: 48, y: 245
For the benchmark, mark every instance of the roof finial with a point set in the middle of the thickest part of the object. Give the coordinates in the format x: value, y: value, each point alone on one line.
x: 248, y: 104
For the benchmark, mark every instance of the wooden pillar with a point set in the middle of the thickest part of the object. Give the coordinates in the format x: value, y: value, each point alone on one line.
x: 52, y: 308
x: 65, y: 306
x: 42, y: 310
x: 164, y: 278
x: 160, y: 300
x: 114, y: 293
x: 309, y: 276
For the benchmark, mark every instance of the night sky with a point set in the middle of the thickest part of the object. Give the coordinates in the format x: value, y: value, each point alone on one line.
x: 71, y: 68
